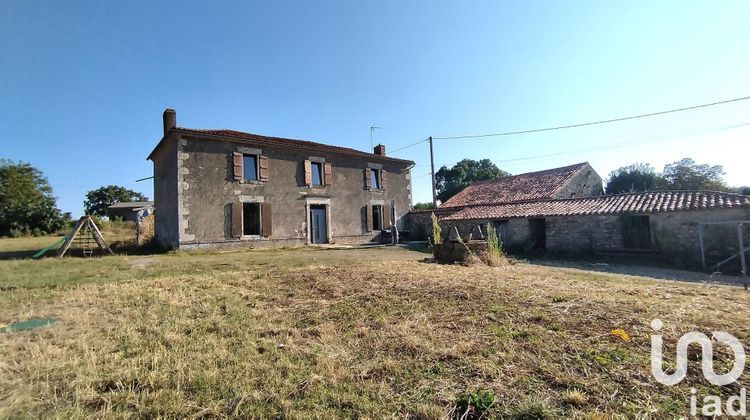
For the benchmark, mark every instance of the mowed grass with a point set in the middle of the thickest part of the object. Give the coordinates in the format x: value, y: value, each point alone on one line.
x: 318, y: 333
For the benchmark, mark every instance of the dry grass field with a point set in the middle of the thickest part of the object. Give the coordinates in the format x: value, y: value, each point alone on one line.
x: 320, y: 333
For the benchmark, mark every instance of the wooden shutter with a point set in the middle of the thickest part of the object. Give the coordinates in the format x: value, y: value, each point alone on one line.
x: 267, y: 220
x: 308, y: 173
x: 263, y: 165
x: 367, y: 179
x: 369, y: 218
x: 328, y: 174
x: 382, y: 179
x: 237, y: 220
x: 237, y: 166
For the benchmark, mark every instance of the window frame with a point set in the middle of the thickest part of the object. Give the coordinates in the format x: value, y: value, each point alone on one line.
x: 260, y: 220
x: 321, y: 175
x: 377, y: 222
x: 256, y: 166
x: 375, y: 180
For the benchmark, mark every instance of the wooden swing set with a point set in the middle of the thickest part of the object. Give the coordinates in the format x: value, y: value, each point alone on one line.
x: 88, y: 235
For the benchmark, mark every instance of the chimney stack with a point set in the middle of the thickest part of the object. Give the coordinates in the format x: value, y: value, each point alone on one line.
x: 170, y: 120
x: 380, y: 150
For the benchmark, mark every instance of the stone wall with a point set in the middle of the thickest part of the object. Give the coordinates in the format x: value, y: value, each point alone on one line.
x: 584, y: 184
x: 419, y: 223
x: 674, y: 235
x: 165, y: 194
x: 206, y: 190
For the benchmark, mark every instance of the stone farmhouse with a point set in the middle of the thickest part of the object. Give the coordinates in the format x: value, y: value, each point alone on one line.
x: 563, y: 210
x: 225, y: 188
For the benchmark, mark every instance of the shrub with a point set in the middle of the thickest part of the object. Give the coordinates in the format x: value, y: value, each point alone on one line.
x: 15, y: 233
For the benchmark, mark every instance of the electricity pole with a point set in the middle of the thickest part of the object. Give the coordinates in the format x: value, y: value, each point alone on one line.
x: 432, y: 169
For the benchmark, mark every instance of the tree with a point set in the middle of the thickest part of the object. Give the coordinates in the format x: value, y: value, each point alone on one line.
x: 451, y: 181
x: 26, y: 201
x: 744, y: 190
x: 423, y: 206
x: 98, y: 200
x: 632, y: 178
x: 685, y: 174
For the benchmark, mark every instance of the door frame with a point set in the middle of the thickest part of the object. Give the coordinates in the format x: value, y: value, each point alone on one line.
x: 319, y: 202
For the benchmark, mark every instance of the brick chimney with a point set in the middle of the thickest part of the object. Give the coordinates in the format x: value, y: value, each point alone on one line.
x: 170, y: 120
x: 380, y: 150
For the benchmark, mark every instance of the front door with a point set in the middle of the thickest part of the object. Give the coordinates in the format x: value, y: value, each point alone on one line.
x: 318, y: 227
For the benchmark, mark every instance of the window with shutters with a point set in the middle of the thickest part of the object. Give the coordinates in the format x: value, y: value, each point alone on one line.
x: 316, y: 169
x: 251, y: 218
x: 250, y: 167
x: 377, y: 217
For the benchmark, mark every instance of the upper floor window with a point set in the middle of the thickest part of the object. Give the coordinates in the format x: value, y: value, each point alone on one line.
x: 375, y: 179
x: 250, y: 167
x: 318, y: 172
x: 316, y: 169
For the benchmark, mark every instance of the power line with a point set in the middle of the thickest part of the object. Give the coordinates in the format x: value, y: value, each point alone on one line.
x: 561, y: 127
x: 627, y: 143
x: 621, y: 144
x: 413, y: 144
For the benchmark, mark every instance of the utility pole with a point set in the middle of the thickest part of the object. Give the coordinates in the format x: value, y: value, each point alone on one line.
x: 432, y: 169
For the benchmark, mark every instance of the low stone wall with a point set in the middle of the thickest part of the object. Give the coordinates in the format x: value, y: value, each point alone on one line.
x: 419, y: 222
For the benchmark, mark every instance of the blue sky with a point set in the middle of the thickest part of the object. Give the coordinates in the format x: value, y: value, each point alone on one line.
x: 83, y: 84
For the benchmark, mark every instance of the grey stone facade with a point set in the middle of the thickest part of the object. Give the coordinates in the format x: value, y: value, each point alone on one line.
x: 195, y: 190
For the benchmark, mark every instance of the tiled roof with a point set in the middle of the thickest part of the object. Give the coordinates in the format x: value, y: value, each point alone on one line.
x: 280, y: 141
x: 524, y: 187
x: 645, y: 202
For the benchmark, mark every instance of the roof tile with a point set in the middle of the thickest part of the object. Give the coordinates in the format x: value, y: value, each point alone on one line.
x: 643, y: 202
x: 523, y: 187
x: 280, y: 141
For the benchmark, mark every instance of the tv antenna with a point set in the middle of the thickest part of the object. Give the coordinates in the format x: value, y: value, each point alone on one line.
x: 373, y: 128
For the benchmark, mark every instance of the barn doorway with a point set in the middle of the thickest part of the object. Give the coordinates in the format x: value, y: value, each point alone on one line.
x: 538, y: 234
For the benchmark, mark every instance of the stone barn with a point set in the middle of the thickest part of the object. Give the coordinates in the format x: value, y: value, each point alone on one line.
x: 562, y: 210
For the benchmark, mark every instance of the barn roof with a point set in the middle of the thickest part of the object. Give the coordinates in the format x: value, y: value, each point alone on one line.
x: 642, y: 202
x: 524, y: 187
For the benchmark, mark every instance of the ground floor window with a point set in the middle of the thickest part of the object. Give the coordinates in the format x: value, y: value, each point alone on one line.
x: 636, y: 232
x: 250, y: 219
x: 377, y: 217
